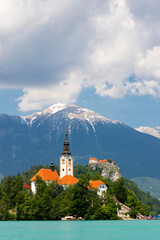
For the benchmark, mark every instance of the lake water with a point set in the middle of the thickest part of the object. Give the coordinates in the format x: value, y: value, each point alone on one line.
x: 80, y: 230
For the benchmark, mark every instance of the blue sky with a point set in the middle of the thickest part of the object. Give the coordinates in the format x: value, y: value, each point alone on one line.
x: 82, y: 53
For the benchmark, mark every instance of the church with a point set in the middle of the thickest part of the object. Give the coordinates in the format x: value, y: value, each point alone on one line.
x: 66, y: 177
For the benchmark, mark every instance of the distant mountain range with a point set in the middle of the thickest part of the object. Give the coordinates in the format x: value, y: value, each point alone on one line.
x: 152, y: 131
x: 38, y: 139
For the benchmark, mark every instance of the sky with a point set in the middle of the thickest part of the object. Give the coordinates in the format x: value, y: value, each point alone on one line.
x: 102, y: 55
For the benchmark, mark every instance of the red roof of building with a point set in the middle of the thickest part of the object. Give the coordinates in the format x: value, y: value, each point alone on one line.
x: 95, y: 159
x: 68, y: 180
x: 46, y: 175
x: 103, y: 160
x: 115, y: 199
x: 25, y: 185
x: 95, y: 183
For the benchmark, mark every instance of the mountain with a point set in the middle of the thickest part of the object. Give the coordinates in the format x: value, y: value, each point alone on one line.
x: 152, y: 131
x: 148, y: 184
x: 38, y: 139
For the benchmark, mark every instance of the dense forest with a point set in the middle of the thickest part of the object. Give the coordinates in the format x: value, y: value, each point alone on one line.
x: 52, y: 202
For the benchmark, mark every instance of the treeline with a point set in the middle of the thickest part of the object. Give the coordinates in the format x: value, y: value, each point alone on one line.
x: 52, y: 202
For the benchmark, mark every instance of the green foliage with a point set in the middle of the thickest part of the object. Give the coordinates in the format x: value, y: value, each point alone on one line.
x: 80, y: 197
x: 80, y: 169
x: 133, y: 213
x: 135, y: 204
x: 97, y: 176
x: 145, y: 198
x: 119, y: 190
x: 108, y: 212
x: 148, y: 184
x: 109, y: 160
x: 52, y: 202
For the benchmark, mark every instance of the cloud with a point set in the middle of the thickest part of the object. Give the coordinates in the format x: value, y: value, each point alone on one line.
x: 65, y: 91
x: 54, y: 49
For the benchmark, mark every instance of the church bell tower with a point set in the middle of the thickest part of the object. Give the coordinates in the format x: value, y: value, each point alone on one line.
x: 66, y: 159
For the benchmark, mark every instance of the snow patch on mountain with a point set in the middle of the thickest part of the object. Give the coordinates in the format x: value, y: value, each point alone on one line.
x: 72, y: 112
x: 30, y: 119
x: 151, y: 131
x: 89, y: 115
x: 54, y: 108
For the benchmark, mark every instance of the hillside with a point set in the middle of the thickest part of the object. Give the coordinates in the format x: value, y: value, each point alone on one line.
x: 148, y: 184
x: 96, y: 173
x: 38, y: 139
x: 51, y: 202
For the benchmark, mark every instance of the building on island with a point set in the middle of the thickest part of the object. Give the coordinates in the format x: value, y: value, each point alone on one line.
x: 93, y: 160
x: 66, y: 160
x: 99, y: 185
x: 26, y: 186
x: 66, y: 177
x: 103, y: 160
x: 66, y: 166
x: 67, y: 180
x: 47, y: 175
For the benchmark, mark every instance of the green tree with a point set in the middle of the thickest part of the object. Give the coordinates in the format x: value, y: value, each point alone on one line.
x: 119, y: 190
x: 40, y: 186
x: 108, y: 212
x: 80, y: 197
x: 53, y: 189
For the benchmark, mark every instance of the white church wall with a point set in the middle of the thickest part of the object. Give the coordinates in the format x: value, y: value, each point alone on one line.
x: 33, y: 187
x: 66, y: 166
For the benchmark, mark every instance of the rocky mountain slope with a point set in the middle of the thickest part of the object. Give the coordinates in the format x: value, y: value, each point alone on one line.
x: 38, y: 139
x: 148, y: 130
x: 109, y: 169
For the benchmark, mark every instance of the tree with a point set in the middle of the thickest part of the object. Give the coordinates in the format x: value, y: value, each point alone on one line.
x: 43, y: 206
x: 133, y: 213
x: 53, y: 189
x: 40, y: 186
x: 80, y: 197
x: 108, y: 212
x: 118, y: 189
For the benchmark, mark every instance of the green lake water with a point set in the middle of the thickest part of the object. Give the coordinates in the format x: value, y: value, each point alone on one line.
x: 80, y: 230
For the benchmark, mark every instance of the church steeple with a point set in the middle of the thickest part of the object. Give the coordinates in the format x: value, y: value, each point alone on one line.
x: 66, y: 160
x: 66, y: 149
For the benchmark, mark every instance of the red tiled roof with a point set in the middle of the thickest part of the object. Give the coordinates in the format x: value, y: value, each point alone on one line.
x: 46, y: 175
x: 25, y: 185
x: 95, y: 183
x: 95, y: 159
x: 103, y: 160
x: 68, y: 180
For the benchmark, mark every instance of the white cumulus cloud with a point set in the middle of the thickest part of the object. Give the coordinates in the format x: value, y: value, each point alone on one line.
x: 54, y: 49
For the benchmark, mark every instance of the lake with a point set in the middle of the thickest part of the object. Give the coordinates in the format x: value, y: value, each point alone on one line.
x: 80, y: 230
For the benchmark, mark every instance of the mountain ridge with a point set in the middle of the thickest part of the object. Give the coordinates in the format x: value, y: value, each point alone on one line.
x: 155, y: 131
x: 38, y: 139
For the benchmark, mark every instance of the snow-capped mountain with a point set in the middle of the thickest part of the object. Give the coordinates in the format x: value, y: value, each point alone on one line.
x: 38, y: 139
x: 72, y: 112
x: 148, y: 130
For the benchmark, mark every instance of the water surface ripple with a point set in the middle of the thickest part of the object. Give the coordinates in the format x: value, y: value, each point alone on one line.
x: 80, y: 230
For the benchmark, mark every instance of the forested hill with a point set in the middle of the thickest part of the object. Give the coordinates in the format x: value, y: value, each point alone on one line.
x: 53, y: 202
